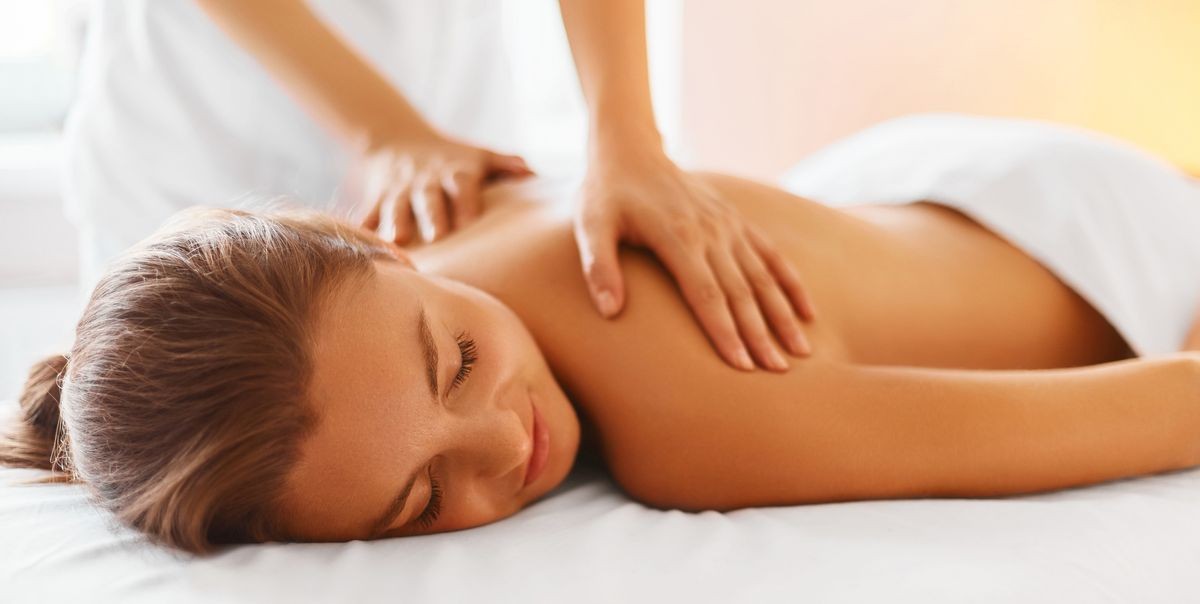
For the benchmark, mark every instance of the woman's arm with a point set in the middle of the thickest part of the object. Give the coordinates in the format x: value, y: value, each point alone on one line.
x: 832, y: 431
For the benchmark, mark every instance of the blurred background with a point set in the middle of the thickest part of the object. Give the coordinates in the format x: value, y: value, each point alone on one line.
x: 747, y: 88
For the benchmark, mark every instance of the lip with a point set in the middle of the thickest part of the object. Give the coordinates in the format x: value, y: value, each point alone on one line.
x: 540, y: 451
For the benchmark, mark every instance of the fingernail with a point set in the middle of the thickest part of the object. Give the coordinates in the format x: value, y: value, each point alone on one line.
x: 799, y: 344
x: 743, y: 360
x: 776, y: 360
x: 607, y: 303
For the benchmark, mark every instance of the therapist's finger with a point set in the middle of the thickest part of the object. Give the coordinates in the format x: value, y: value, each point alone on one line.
x: 462, y: 187
x: 689, y: 266
x: 429, y: 206
x: 771, y: 300
x: 380, y: 188
x: 404, y: 228
x: 785, y: 273
x: 371, y: 220
x: 386, y: 227
x: 507, y: 165
x: 374, y: 194
x: 597, y: 238
x: 389, y: 218
x: 744, y: 305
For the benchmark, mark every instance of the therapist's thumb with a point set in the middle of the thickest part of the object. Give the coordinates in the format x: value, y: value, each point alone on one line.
x: 510, y: 165
x: 597, y: 240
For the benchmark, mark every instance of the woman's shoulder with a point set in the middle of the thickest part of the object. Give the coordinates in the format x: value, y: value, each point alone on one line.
x: 525, y: 229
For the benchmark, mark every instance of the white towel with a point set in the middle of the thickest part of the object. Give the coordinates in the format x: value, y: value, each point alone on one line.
x: 1118, y: 225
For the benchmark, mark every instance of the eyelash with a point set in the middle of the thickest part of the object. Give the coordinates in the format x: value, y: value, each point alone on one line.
x: 466, y: 349
x: 469, y: 354
x: 430, y: 515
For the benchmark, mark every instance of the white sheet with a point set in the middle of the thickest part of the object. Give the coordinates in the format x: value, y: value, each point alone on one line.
x: 1127, y: 541
x: 1135, y: 540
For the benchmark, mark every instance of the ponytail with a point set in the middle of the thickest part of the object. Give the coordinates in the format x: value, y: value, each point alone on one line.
x: 33, y: 439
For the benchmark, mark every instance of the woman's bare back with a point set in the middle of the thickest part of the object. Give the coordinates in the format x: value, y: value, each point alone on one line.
x: 950, y: 293
x: 914, y: 285
x: 917, y: 286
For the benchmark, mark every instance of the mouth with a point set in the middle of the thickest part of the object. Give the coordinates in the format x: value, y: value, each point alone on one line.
x: 540, y: 451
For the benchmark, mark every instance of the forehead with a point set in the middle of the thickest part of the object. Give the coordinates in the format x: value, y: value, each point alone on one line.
x: 365, y: 391
x: 366, y: 336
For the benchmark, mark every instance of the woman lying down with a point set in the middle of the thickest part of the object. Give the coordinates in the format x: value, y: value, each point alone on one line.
x: 254, y: 376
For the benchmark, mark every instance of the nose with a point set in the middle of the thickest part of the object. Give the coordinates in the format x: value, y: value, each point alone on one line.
x: 495, y: 442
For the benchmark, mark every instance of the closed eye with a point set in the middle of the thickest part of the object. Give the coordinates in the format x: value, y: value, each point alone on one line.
x: 468, y: 355
x: 434, y: 508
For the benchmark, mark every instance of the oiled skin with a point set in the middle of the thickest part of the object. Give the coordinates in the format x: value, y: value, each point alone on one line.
x: 915, y: 285
x: 911, y: 286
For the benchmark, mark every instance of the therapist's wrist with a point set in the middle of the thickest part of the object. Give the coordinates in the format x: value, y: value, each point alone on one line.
x: 620, y: 160
x: 617, y: 139
x: 390, y: 130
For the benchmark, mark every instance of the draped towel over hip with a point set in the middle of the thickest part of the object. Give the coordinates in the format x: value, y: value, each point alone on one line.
x: 1118, y: 225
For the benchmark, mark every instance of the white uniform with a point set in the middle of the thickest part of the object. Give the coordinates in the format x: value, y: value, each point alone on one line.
x: 171, y: 112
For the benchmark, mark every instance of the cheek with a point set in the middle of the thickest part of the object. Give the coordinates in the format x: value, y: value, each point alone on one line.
x: 476, y: 514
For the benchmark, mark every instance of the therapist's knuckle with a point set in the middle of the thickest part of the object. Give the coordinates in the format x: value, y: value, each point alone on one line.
x: 715, y: 214
x: 712, y: 229
x: 684, y: 234
x: 771, y: 255
x: 710, y: 294
x: 761, y: 280
x: 674, y: 214
x: 394, y: 179
x: 406, y: 165
x: 739, y: 293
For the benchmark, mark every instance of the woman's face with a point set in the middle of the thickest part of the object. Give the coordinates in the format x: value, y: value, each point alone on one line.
x: 435, y: 412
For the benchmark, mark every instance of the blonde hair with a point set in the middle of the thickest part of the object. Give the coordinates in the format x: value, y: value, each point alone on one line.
x: 182, y: 403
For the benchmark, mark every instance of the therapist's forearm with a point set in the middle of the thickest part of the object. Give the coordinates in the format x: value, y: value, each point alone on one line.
x: 334, y: 83
x: 608, y: 43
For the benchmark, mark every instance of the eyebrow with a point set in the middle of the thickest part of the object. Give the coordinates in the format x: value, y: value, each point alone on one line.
x: 429, y: 350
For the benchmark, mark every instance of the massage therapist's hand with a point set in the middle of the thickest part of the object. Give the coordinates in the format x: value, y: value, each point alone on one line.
x: 428, y: 186
x: 738, y: 285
